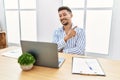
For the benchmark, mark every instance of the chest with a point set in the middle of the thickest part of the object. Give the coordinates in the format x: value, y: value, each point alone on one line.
x: 73, y: 39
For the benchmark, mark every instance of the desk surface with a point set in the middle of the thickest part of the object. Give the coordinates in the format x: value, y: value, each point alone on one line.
x: 10, y: 70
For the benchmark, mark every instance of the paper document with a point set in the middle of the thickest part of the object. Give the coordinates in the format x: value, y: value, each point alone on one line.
x: 87, y: 66
x: 13, y: 53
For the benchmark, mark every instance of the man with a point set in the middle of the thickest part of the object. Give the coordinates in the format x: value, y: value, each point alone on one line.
x: 69, y: 38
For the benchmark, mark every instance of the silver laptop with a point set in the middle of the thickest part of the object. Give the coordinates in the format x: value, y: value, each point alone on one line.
x: 46, y: 54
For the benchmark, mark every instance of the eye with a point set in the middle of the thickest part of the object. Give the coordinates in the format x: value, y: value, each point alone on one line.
x: 60, y: 15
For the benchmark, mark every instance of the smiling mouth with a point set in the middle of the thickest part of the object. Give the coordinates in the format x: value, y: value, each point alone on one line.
x: 63, y: 20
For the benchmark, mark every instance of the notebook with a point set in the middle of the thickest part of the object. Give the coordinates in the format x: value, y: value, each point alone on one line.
x: 45, y: 53
x: 87, y: 66
x: 15, y: 53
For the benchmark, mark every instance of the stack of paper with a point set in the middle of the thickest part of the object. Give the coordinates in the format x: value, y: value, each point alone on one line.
x: 13, y: 53
x: 87, y: 66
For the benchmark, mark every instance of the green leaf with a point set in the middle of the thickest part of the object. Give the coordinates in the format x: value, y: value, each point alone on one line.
x: 26, y: 59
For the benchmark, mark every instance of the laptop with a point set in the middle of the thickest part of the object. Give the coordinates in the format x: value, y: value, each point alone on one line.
x: 45, y: 53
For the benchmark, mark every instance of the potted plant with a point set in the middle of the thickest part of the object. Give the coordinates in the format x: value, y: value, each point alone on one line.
x: 26, y: 61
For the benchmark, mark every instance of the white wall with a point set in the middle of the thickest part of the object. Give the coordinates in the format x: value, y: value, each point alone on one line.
x: 2, y: 17
x: 47, y: 18
x: 114, y: 50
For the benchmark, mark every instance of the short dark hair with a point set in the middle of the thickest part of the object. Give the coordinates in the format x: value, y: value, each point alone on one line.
x: 64, y: 8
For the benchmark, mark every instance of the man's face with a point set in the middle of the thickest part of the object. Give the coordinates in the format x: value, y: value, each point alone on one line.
x: 65, y: 17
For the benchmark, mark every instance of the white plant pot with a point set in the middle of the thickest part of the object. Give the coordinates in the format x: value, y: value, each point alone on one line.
x: 26, y: 67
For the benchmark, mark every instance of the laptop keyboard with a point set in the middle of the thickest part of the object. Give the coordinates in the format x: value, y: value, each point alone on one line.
x: 59, y: 61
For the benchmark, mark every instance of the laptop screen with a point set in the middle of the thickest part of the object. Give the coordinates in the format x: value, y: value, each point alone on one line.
x: 46, y: 54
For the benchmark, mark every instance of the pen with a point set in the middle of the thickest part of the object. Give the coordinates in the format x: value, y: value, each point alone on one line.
x: 89, y: 66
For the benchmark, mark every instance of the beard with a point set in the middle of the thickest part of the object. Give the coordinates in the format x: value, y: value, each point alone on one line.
x: 64, y: 21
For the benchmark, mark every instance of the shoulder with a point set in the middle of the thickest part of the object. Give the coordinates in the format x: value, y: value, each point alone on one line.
x: 79, y: 30
x: 58, y: 30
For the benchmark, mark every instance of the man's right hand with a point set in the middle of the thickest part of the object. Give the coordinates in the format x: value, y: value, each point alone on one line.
x: 70, y: 34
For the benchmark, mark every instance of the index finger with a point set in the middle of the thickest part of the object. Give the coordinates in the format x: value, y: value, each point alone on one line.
x: 74, y: 27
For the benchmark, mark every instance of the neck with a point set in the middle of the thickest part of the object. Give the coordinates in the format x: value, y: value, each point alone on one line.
x: 67, y: 27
